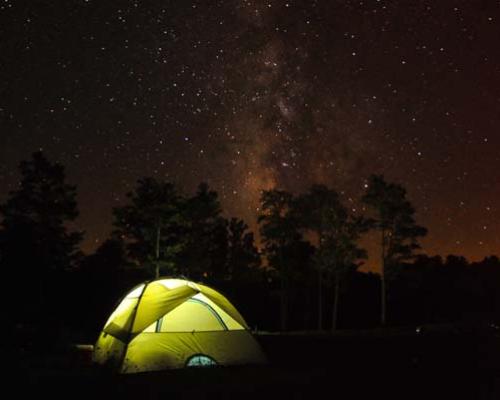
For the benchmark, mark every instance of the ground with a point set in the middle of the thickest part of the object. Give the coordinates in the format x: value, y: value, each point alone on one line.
x: 434, y: 363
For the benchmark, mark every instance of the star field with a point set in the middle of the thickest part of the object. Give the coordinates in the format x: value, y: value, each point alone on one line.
x: 250, y: 95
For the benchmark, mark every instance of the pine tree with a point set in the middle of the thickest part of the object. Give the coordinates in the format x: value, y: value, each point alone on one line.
x: 243, y: 257
x: 35, y: 242
x: 322, y: 213
x: 319, y: 211
x: 279, y: 232
x: 152, y: 225
x: 394, y: 218
x: 205, y: 252
x: 342, y: 254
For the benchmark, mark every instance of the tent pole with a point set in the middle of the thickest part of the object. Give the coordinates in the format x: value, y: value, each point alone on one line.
x: 129, y: 335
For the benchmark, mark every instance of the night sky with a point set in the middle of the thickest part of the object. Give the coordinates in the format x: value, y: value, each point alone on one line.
x: 250, y: 95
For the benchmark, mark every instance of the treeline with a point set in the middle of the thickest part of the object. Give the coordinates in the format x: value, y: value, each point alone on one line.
x: 305, y: 276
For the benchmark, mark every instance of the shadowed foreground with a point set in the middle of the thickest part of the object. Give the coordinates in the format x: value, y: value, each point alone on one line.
x: 399, y: 364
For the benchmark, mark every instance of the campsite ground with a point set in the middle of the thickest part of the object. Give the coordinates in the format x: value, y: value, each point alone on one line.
x: 436, y: 363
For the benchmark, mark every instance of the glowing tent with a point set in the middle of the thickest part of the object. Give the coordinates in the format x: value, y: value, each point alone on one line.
x: 174, y: 323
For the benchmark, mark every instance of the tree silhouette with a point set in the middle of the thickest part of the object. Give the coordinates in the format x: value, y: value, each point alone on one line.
x: 205, y: 251
x: 152, y: 225
x: 279, y: 232
x: 109, y: 274
x: 243, y: 258
x: 34, y: 238
x: 320, y: 212
x: 343, y: 254
x: 394, y: 219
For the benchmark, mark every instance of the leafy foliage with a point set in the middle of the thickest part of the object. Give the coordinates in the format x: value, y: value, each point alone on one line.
x: 279, y: 233
x: 162, y: 229
x: 243, y: 258
x: 337, y: 233
x: 152, y: 225
x: 185, y: 236
x: 205, y: 250
x: 394, y: 218
x: 35, y: 216
x: 36, y: 245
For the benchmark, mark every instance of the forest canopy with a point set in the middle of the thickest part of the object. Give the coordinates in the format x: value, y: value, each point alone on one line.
x: 305, y: 266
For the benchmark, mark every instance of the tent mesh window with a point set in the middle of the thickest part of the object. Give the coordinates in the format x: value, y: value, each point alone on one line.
x: 200, y: 360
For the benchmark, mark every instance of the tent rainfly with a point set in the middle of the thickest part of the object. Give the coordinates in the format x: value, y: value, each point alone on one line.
x: 174, y: 323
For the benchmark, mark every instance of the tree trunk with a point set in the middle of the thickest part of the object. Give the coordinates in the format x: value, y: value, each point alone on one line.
x: 320, y: 299
x: 284, y: 297
x: 382, y: 284
x: 157, y: 266
x: 283, y: 305
x: 320, y: 283
x: 336, y: 302
x: 383, y: 294
x: 308, y: 304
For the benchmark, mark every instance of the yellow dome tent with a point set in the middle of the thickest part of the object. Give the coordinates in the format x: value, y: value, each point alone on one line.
x: 174, y: 323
